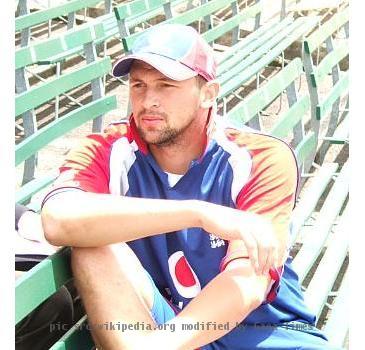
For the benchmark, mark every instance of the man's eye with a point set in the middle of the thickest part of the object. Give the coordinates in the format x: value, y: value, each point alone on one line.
x: 137, y: 85
x: 168, y: 85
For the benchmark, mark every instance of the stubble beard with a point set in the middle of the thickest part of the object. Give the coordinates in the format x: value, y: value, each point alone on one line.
x: 166, y: 137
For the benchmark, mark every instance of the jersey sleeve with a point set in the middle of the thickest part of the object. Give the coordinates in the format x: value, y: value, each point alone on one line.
x: 86, y: 167
x: 270, y: 190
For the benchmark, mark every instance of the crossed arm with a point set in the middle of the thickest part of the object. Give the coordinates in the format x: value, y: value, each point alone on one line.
x: 239, y: 291
x: 82, y: 219
x: 78, y: 219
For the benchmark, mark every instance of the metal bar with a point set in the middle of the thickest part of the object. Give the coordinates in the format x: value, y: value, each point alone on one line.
x: 25, y: 33
x: 29, y: 124
x: 57, y: 105
x: 71, y: 20
x: 97, y: 86
x: 64, y: 94
x: 235, y: 30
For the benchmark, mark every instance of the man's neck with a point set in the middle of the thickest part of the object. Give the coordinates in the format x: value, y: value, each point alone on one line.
x: 176, y: 158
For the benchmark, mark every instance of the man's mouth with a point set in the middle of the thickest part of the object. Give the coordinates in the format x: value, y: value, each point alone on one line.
x: 151, y: 120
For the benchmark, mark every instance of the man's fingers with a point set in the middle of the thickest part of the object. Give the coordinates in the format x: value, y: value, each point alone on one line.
x: 264, y: 258
x: 273, y: 256
x: 267, y: 250
x: 269, y: 260
x: 251, y: 246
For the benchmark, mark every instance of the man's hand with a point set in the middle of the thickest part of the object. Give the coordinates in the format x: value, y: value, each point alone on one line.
x: 256, y: 232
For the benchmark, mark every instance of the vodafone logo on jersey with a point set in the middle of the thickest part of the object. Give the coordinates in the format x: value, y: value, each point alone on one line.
x: 185, y: 280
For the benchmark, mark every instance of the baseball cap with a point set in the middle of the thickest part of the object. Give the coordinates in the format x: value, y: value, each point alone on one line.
x: 177, y: 51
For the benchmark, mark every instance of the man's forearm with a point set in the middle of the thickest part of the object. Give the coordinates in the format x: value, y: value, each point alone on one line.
x: 89, y: 220
x: 227, y: 299
x: 83, y: 219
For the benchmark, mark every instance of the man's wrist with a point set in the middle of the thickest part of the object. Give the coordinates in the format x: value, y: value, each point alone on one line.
x: 198, y: 209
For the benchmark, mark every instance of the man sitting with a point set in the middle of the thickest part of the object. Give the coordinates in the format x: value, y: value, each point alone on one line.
x: 179, y: 222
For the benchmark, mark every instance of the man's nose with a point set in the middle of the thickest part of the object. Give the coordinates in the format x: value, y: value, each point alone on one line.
x: 151, y: 99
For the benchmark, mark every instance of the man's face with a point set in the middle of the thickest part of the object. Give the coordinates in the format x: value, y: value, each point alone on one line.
x: 164, y: 110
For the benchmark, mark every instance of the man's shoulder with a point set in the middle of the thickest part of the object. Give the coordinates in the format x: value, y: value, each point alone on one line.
x: 254, y: 141
x: 112, y: 134
x: 116, y: 130
x: 264, y: 151
x: 99, y: 145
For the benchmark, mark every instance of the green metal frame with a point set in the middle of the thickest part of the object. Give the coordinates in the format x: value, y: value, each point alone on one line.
x: 41, y: 94
x: 59, y: 127
x: 324, y: 104
x: 42, y: 16
x: 263, y: 51
x: 202, y: 11
x: 39, y: 283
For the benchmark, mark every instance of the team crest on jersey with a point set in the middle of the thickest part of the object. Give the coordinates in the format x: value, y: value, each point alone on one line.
x: 216, y: 242
x: 185, y: 280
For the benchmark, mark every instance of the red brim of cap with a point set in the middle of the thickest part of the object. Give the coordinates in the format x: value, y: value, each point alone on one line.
x: 167, y: 66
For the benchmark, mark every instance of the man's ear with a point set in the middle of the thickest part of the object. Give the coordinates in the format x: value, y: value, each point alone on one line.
x: 209, y: 93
